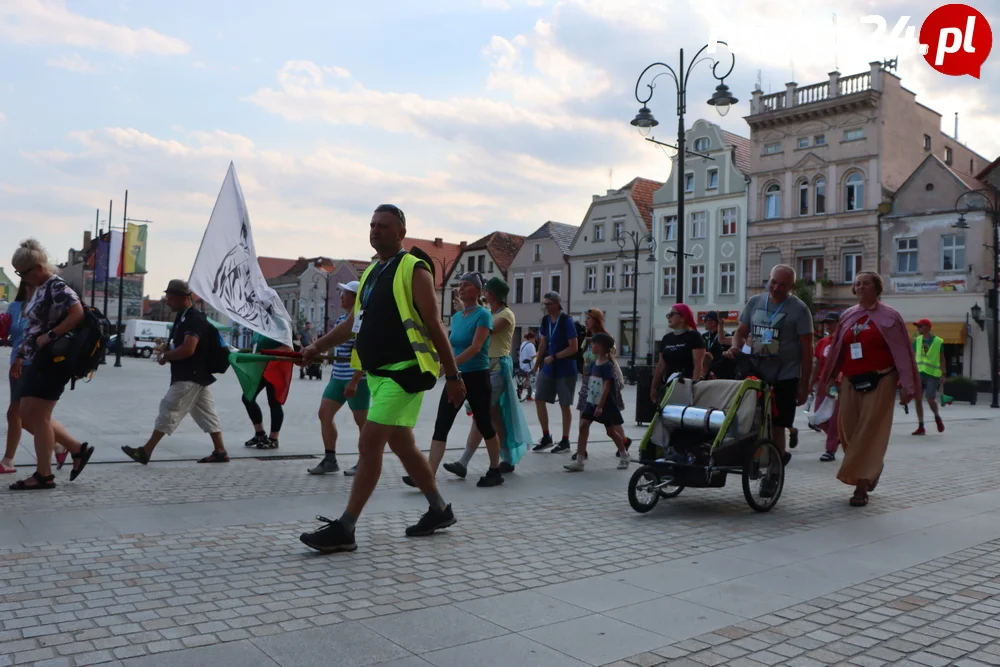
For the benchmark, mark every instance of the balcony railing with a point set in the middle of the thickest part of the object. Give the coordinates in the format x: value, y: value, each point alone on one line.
x: 836, y: 86
x: 773, y: 102
x: 855, y: 84
x: 814, y: 93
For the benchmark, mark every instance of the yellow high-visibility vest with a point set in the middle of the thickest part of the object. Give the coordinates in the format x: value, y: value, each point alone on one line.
x: 929, y: 363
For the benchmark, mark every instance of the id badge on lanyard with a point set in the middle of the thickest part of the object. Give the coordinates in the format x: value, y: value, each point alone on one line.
x: 356, y: 327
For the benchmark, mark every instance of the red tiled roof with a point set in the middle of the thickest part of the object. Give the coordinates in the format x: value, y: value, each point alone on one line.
x: 359, y: 265
x: 445, y: 253
x: 741, y: 150
x: 503, y: 247
x: 990, y: 167
x: 272, y: 267
x: 641, y: 190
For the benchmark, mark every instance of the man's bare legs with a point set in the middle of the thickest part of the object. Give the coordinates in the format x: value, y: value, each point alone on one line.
x: 371, y: 446
x: 567, y: 421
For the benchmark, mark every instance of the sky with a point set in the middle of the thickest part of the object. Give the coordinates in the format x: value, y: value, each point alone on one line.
x: 471, y: 115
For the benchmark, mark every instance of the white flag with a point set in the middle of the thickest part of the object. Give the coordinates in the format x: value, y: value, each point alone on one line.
x: 115, y: 255
x: 226, y: 273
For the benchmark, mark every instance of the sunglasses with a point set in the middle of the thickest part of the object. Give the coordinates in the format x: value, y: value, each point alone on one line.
x: 21, y: 274
x: 395, y: 210
x: 672, y: 312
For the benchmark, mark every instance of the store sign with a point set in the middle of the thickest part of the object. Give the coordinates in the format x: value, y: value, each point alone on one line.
x: 916, y: 286
x: 724, y: 315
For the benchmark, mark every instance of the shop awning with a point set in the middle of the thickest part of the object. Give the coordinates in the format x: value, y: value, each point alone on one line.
x: 953, y: 333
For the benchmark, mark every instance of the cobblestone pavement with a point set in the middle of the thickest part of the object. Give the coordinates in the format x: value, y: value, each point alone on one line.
x: 182, y: 564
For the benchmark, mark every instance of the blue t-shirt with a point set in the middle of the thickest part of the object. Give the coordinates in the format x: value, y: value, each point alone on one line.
x: 463, y: 330
x: 557, y: 336
x: 17, y: 326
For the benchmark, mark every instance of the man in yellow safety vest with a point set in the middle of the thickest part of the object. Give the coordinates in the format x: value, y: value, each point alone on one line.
x: 929, y: 351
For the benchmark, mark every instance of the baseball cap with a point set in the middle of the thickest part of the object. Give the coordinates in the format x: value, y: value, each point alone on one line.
x: 712, y: 315
x: 832, y: 317
x: 350, y: 287
x: 178, y: 287
x: 923, y: 323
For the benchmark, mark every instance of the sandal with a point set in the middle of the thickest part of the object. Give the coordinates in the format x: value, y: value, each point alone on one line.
x: 216, y: 457
x: 137, y: 454
x: 61, y: 459
x: 40, y: 483
x: 793, y: 438
x: 859, y: 501
x: 82, y: 458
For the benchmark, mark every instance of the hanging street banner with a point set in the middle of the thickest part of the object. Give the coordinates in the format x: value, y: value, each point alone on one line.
x: 135, y: 249
x: 226, y: 273
x: 918, y: 286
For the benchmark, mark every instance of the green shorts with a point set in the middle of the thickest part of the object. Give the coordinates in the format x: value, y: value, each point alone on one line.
x: 335, y: 392
x: 391, y: 405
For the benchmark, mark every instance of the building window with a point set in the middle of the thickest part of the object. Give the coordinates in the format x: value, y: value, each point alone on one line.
x: 729, y: 221
x: 811, y: 268
x: 852, y: 266
x: 609, y: 276
x: 771, y: 149
x: 772, y: 202
x: 803, y: 142
x: 619, y: 226
x: 820, y: 140
x: 688, y: 182
x: 953, y: 252
x: 927, y: 142
x: 670, y: 228
x: 669, y: 281
x: 769, y: 259
x: 803, y: 198
x: 702, y: 144
x: 698, y: 224
x: 947, y: 155
x: 820, y: 195
x: 628, y: 276
x: 713, y: 179
x: 855, y: 190
x: 555, y: 282
x: 591, y: 278
x: 598, y: 232
x: 538, y: 252
x: 697, y: 280
x: 491, y: 267
x: 518, y: 290
x: 854, y: 135
x: 482, y: 264
x: 727, y: 278
x: 906, y: 256
x: 536, y: 289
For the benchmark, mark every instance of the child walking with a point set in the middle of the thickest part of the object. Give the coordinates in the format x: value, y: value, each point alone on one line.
x: 603, y: 395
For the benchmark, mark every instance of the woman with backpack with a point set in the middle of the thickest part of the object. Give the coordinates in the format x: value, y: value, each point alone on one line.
x: 53, y: 311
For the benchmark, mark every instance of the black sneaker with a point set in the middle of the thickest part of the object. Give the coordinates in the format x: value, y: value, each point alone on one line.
x: 828, y: 456
x: 506, y: 468
x: 327, y: 465
x: 563, y: 446
x: 793, y: 438
x: 256, y: 440
x: 786, y: 458
x: 543, y: 444
x: 456, y: 468
x: 408, y: 481
x: 433, y: 520
x: 267, y: 443
x: 331, y: 538
x: 491, y: 478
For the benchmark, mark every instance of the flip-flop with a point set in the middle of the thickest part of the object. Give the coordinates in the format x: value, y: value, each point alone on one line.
x: 4, y: 470
x: 83, y: 457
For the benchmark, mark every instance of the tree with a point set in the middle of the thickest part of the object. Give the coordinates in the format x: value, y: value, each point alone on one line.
x: 805, y: 292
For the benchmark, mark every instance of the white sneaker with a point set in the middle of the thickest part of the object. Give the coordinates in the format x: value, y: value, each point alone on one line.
x: 623, y: 463
x: 575, y: 466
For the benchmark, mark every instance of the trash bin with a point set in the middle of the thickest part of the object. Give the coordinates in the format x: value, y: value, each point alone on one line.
x: 645, y: 409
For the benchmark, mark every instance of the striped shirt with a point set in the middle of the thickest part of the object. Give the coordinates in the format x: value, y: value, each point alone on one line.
x: 342, y: 369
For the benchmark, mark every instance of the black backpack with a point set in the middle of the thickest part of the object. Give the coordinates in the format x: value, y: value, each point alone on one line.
x: 83, y: 348
x: 218, y: 352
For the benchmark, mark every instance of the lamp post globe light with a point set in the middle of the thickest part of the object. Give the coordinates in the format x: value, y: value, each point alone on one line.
x: 637, y: 241
x: 644, y: 121
x: 989, y: 203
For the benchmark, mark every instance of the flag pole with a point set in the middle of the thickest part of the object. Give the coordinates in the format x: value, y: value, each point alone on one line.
x: 107, y: 263
x: 93, y: 247
x: 121, y: 286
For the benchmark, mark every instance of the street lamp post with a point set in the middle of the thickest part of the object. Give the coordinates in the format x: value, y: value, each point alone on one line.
x: 121, y: 280
x: 638, y: 240
x: 644, y: 121
x: 990, y: 198
x: 326, y: 302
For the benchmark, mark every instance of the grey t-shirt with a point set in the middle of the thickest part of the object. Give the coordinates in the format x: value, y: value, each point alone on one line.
x: 775, y: 329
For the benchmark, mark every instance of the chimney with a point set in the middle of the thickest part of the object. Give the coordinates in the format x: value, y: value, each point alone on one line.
x: 461, y: 246
x: 956, y: 126
x: 438, y: 242
x: 87, y: 237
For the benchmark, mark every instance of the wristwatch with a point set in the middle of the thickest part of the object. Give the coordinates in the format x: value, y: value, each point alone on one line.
x: 52, y: 334
x: 456, y: 376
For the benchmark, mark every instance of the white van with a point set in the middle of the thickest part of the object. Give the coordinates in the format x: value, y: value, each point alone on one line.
x: 140, y: 336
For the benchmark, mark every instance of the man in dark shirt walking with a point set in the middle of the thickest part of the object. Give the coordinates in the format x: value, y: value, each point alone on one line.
x: 306, y: 338
x: 189, y: 378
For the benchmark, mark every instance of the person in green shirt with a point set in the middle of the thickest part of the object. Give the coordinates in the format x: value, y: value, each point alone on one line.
x: 929, y: 350
x: 261, y: 439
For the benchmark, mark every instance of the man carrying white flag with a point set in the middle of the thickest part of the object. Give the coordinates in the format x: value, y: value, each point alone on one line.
x: 226, y: 273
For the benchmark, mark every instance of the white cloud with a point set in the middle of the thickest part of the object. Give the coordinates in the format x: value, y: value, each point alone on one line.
x: 50, y: 21
x: 496, y: 4
x: 73, y: 63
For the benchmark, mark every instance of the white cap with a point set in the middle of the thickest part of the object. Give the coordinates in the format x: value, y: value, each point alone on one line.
x: 350, y: 287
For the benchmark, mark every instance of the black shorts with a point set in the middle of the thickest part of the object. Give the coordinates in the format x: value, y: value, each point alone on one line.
x: 37, y: 382
x: 785, y: 395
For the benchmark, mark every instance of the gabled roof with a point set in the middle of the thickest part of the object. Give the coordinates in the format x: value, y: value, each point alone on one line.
x: 300, y: 265
x: 966, y: 180
x: 641, y: 191
x: 741, y: 151
x: 559, y: 232
x: 989, y: 168
x: 503, y: 247
x: 359, y: 265
x: 439, y: 250
x: 272, y: 267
